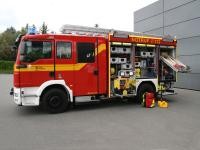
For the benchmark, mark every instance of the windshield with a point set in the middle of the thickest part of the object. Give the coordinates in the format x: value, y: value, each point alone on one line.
x: 31, y: 51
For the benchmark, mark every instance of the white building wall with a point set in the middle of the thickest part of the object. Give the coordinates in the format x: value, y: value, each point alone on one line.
x: 180, y: 18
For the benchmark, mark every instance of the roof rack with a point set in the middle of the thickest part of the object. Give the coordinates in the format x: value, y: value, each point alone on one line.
x: 70, y: 29
x: 84, y: 30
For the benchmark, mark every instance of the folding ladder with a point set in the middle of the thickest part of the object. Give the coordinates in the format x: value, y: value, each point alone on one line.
x: 175, y: 64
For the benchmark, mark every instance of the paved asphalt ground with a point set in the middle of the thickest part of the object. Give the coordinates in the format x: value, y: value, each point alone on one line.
x: 101, y: 126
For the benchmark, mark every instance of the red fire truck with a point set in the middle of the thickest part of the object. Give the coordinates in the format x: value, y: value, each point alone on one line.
x: 52, y: 70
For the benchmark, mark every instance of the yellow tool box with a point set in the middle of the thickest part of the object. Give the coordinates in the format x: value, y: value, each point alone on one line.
x: 162, y: 104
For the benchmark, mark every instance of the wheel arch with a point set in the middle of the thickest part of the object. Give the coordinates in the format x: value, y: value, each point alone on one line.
x: 147, y: 82
x: 55, y: 84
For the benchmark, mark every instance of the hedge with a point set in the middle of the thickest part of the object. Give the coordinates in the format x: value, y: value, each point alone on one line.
x: 6, y: 66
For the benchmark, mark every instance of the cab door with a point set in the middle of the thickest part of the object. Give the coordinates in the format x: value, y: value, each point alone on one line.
x: 86, y: 68
x: 64, y: 62
x: 36, y: 62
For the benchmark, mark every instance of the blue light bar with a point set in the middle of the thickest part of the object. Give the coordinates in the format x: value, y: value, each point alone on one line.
x: 32, y: 30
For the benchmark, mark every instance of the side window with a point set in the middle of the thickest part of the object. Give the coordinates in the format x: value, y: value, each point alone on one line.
x: 85, y: 52
x: 64, y: 50
x: 31, y: 51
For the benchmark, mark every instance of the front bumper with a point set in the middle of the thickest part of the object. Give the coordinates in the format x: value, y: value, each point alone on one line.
x: 25, y: 96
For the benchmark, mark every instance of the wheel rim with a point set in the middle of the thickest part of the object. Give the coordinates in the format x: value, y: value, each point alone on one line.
x: 55, y: 101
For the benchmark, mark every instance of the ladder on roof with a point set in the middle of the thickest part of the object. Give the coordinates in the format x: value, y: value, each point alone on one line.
x: 175, y: 64
x: 81, y: 30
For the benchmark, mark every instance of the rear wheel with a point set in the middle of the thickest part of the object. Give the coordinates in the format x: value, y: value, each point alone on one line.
x: 55, y: 101
x: 145, y: 87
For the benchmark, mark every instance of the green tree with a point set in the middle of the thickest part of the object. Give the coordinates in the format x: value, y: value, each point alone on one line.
x: 24, y: 30
x: 44, y: 28
x: 7, y: 40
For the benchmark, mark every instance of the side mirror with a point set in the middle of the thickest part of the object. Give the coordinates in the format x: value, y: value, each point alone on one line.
x: 17, y: 41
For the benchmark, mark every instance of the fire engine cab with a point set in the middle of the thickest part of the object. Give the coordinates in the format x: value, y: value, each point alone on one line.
x: 53, y: 69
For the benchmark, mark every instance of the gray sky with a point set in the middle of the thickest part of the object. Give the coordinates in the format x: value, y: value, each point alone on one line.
x: 117, y: 14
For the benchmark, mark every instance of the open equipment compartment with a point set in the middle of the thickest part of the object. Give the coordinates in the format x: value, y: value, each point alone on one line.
x: 130, y: 62
x: 145, y: 61
x: 166, y: 73
x: 121, y: 69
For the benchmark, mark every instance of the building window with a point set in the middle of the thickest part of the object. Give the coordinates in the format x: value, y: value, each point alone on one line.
x: 86, y: 52
x: 64, y: 50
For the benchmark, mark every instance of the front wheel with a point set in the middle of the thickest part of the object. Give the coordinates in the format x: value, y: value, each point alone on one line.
x: 145, y: 87
x: 55, y: 101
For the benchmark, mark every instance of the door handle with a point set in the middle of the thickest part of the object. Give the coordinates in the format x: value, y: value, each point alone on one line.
x: 51, y: 74
x: 96, y: 72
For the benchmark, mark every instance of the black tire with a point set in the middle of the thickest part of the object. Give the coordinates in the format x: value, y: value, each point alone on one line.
x: 145, y: 87
x: 55, y: 101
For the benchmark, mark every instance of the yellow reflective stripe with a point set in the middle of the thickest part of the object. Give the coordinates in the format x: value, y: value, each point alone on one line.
x: 101, y: 48
x: 30, y: 68
x: 45, y: 67
x: 70, y: 67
